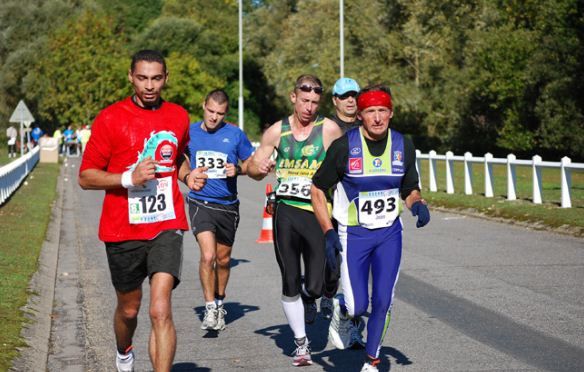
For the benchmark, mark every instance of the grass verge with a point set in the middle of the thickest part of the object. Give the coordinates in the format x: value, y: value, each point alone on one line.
x: 23, y: 225
x: 548, y: 215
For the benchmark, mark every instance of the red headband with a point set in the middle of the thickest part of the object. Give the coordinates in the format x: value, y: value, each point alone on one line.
x: 374, y: 98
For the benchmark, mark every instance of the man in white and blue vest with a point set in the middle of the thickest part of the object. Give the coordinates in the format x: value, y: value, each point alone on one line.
x: 372, y: 167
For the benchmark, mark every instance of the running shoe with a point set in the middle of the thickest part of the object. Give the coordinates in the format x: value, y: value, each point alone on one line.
x: 369, y: 368
x: 340, y: 329
x: 125, y: 362
x: 326, y: 307
x: 302, y: 354
x: 210, y: 318
x: 309, y: 312
x: 221, y: 312
x: 356, y: 341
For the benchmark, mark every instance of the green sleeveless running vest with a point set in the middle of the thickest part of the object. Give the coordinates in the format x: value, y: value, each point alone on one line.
x: 297, y: 162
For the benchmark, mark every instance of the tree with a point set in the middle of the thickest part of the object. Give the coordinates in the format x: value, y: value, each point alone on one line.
x: 188, y: 83
x: 84, y: 70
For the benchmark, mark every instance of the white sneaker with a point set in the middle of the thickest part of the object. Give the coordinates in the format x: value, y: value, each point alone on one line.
x: 302, y: 354
x: 369, y: 368
x: 326, y: 307
x: 125, y: 363
x: 340, y: 328
x: 210, y: 318
x: 221, y: 312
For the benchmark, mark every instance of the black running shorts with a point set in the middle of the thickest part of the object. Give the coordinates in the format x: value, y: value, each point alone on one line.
x: 132, y: 261
x: 221, y: 219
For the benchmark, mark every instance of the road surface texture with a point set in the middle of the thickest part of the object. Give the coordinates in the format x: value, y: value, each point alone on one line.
x: 473, y: 295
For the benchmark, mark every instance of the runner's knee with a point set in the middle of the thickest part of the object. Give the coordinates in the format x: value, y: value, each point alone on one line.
x: 208, y: 259
x: 128, y: 312
x: 160, y: 312
x: 223, y: 262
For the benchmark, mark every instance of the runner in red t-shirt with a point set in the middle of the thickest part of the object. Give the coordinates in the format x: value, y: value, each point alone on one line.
x: 135, y: 155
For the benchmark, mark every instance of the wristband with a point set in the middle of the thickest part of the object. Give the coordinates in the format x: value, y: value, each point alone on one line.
x: 238, y: 170
x: 127, y: 179
x: 185, y: 178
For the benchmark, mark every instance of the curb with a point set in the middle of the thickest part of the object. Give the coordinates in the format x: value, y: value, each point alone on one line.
x: 38, y: 310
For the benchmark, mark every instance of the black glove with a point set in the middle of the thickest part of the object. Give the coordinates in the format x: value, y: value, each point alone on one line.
x: 421, y: 210
x: 332, y: 248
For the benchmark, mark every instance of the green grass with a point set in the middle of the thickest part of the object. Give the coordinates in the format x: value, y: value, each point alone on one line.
x: 547, y: 215
x: 23, y: 222
x: 4, y: 156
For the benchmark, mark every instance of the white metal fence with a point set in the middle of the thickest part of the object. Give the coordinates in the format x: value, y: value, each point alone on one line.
x: 12, y: 174
x: 565, y: 165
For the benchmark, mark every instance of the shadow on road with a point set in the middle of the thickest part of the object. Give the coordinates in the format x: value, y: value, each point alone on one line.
x: 235, y: 311
x: 188, y: 367
x: 236, y: 261
x: 329, y: 360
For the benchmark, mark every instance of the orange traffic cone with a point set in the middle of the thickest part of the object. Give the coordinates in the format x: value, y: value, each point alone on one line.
x: 266, y: 235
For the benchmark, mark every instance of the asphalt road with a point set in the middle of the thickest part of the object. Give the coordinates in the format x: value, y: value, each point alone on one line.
x: 473, y: 295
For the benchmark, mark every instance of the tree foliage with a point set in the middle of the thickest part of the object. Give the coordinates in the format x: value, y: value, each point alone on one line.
x: 83, y: 70
x: 466, y: 75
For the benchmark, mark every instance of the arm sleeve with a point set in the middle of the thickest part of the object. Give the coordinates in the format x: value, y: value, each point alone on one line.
x: 332, y: 169
x: 411, y: 180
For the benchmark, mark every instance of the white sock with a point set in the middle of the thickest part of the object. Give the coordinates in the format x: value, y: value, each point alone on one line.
x: 210, y: 305
x: 294, y: 311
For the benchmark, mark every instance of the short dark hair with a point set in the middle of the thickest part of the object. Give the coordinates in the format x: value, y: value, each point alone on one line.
x: 219, y: 96
x: 148, y: 55
x: 307, y: 78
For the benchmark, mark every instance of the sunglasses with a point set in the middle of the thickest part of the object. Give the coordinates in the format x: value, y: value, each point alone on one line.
x: 343, y: 97
x: 309, y: 88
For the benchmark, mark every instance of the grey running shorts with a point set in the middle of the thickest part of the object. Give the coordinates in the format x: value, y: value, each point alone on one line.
x: 221, y: 219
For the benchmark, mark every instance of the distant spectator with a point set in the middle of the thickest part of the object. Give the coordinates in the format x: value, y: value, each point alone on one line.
x: 70, y: 140
x: 83, y: 137
x: 11, y: 134
x: 36, y: 134
x: 59, y: 136
x: 69, y: 134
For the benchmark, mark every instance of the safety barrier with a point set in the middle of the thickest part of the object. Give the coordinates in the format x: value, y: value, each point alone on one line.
x: 565, y: 165
x: 12, y: 174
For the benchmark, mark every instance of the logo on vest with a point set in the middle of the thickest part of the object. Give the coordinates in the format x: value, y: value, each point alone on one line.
x: 377, y: 162
x: 355, y: 151
x: 309, y: 150
x: 397, y: 158
x: 355, y: 165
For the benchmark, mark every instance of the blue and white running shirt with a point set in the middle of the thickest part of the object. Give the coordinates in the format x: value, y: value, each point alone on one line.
x: 228, y: 144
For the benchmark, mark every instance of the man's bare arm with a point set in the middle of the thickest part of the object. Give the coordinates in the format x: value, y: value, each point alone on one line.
x: 261, y: 163
x: 98, y: 179
x: 320, y: 208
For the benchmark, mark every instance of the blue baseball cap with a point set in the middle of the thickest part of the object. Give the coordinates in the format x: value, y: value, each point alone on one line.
x: 344, y: 85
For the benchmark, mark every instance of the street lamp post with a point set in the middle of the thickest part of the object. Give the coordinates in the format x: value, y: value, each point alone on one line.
x: 240, y: 100
x: 342, y: 37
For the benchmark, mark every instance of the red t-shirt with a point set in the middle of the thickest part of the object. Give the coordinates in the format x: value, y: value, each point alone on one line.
x: 121, y: 135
